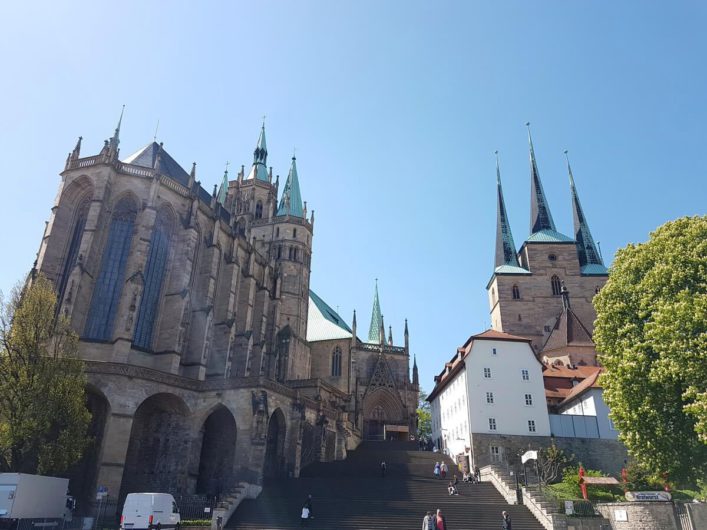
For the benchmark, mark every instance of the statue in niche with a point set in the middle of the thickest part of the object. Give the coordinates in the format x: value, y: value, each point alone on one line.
x: 260, y: 415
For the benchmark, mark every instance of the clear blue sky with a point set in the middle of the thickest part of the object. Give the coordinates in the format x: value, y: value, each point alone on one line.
x: 395, y: 109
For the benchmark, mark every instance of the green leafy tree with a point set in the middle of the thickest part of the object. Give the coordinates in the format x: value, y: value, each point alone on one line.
x: 424, y: 417
x: 652, y: 331
x: 43, y: 414
x: 551, y: 462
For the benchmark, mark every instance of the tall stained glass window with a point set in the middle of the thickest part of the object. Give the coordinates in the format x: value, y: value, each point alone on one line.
x: 109, y: 284
x: 73, y: 252
x: 154, y: 278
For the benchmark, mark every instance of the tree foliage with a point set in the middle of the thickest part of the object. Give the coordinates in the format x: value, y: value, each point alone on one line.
x: 43, y: 414
x: 652, y: 331
x: 424, y: 417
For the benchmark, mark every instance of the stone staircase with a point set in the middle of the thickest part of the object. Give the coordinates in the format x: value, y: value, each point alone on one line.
x: 351, y: 494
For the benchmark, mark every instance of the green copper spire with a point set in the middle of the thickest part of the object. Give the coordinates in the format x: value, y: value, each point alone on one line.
x: 540, y: 216
x: 260, y: 159
x: 586, y: 248
x: 223, y: 189
x: 505, y: 247
x: 291, y: 201
x: 376, y: 320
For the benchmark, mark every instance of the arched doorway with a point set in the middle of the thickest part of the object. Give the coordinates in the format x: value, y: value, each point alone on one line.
x: 384, y: 416
x: 274, y: 465
x: 218, y: 452
x: 84, y: 474
x: 159, y: 440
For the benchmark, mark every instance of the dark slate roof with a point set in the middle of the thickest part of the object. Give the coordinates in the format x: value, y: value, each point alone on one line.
x: 568, y: 331
x: 147, y: 156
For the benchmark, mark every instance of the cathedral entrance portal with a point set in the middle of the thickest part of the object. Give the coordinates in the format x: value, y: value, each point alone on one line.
x: 274, y: 465
x: 218, y: 451
x: 374, y: 428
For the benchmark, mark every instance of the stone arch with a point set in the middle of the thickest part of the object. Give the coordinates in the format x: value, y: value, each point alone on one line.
x: 159, y: 440
x: 380, y: 408
x: 83, y: 476
x: 218, y: 452
x: 274, y: 464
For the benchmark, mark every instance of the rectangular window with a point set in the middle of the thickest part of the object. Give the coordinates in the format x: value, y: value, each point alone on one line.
x: 525, y: 375
x: 495, y: 454
x: 531, y: 425
x: 492, y: 424
x: 487, y: 373
x: 528, y: 399
x: 489, y: 397
x: 294, y: 233
x: 494, y: 351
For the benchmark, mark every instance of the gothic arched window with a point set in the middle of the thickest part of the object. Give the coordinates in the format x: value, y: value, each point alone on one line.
x: 109, y: 285
x: 516, y: 293
x: 73, y: 252
x: 154, y: 278
x: 259, y: 210
x: 556, y: 285
x: 336, y: 362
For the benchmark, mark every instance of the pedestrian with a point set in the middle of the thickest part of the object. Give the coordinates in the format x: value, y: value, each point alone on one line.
x: 477, y: 473
x: 440, y: 521
x: 452, y: 489
x: 428, y: 522
x: 506, y: 521
x: 443, y: 468
x: 308, y: 505
x: 383, y: 468
x: 304, y: 519
x: 437, y: 470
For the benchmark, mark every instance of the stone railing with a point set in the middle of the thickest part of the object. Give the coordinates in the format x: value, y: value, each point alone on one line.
x: 227, y: 506
x: 502, y: 481
x: 377, y: 347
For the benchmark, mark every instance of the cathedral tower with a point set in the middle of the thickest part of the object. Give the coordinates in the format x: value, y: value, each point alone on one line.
x: 526, y: 287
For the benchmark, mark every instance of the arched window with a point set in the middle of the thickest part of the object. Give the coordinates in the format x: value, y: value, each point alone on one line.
x: 294, y: 254
x: 109, y: 285
x: 336, y: 362
x: 73, y: 252
x: 279, y: 251
x: 259, y: 210
x: 516, y: 293
x: 154, y: 278
x: 241, y: 227
x: 556, y: 285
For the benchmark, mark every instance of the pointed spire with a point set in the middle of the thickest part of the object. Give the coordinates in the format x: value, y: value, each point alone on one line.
x: 291, y: 201
x: 540, y: 216
x: 260, y: 158
x: 415, y: 375
x: 586, y: 248
x: 407, y: 338
x: 376, y: 319
x: 114, y: 142
x: 223, y: 189
x: 390, y: 335
x: 76, y: 153
x: 505, y: 247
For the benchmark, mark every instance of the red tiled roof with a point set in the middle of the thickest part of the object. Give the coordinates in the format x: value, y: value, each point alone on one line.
x: 579, y: 372
x: 590, y: 382
x: 492, y: 334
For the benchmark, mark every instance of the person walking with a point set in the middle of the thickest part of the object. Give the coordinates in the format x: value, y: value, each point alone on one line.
x: 308, y: 505
x: 437, y: 470
x: 428, y: 522
x: 506, y: 520
x: 383, y: 468
x: 443, y: 468
x: 477, y: 473
x: 440, y: 521
x: 304, y: 518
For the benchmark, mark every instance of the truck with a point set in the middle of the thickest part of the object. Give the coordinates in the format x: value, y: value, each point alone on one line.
x: 147, y: 511
x: 39, y: 499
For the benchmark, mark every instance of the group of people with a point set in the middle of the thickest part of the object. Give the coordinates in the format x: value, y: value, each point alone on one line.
x: 441, y: 470
x: 438, y: 522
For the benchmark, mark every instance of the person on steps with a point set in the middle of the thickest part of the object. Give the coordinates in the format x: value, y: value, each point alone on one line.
x: 452, y: 489
x: 304, y: 519
x: 437, y: 470
x: 477, y: 474
x: 383, y: 468
x: 443, y: 468
x: 506, y: 521
x: 466, y: 477
x: 440, y: 521
x: 308, y: 505
x: 428, y: 522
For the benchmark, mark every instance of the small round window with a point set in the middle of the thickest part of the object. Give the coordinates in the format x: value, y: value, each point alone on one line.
x: 552, y: 257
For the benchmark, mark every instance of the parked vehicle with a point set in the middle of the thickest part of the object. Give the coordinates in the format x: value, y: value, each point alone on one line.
x: 147, y: 511
x: 33, y: 497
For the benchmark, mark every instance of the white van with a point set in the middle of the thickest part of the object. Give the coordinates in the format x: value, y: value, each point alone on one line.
x: 147, y: 511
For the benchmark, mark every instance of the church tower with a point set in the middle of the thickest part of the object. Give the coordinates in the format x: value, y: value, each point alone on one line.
x: 525, y: 289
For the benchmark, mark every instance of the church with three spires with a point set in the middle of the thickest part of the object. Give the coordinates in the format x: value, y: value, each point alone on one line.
x: 211, y: 364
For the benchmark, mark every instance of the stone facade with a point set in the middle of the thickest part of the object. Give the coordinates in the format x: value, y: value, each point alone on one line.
x: 641, y: 515
x: 192, y: 312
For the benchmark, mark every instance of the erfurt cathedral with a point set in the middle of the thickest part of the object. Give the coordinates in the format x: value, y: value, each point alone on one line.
x: 210, y: 362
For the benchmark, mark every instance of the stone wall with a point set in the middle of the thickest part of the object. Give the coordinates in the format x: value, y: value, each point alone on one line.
x: 641, y: 515
x: 593, y: 453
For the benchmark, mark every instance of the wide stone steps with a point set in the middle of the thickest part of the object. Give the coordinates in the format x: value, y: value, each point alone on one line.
x: 352, y: 495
